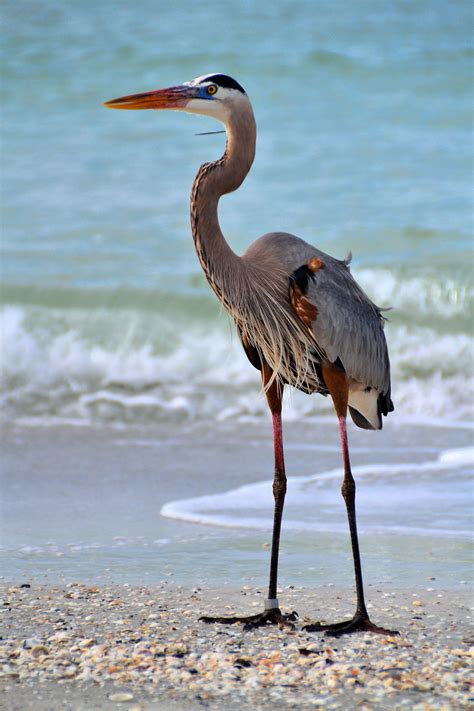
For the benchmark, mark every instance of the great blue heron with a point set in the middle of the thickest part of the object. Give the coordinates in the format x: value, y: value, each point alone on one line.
x: 302, y: 318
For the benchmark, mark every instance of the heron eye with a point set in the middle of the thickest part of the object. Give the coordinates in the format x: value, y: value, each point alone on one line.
x: 212, y: 89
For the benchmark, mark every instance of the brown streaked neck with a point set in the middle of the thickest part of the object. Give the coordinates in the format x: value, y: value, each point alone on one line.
x: 213, y: 180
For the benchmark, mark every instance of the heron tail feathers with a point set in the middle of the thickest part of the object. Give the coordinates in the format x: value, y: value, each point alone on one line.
x: 367, y: 405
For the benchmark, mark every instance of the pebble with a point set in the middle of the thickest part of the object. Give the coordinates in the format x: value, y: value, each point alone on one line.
x: 84, y: 643
x: 31, y: 642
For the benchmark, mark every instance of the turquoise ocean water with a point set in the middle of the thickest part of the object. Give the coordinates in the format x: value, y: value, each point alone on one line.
x: 364, y: 144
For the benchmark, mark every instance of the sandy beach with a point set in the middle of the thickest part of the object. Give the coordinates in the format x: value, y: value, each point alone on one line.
x: 83, y: 647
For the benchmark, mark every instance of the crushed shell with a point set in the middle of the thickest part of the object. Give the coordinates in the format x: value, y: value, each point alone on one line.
x: 73, y: 635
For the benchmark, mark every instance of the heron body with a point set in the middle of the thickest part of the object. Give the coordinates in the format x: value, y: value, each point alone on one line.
x: 302, y: 318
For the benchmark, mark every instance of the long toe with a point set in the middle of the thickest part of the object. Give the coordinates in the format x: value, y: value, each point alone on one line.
x: 267, y: 617
x: 357, y: 624
x: 230, y: 620
x: 319, y: 627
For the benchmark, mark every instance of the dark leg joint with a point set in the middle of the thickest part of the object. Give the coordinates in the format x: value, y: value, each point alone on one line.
x: 279, y: 487
x: 348, y: 489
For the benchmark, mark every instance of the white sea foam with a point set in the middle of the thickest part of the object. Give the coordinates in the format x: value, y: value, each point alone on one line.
x: 443, y: 298
x: 54, y: 368
x: 70, y: 547
x: 316, y: 493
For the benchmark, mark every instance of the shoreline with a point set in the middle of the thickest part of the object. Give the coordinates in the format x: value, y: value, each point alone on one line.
x: 84, y: 647
x: 84, y: 504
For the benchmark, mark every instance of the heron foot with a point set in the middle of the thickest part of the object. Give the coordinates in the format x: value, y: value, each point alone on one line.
x: 267, y: 617
x: 359, y: 623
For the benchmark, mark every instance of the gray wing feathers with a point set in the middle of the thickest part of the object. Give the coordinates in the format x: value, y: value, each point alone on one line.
x: 349, y: 326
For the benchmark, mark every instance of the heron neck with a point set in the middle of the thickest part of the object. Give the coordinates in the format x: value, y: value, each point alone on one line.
x: 220, y: 264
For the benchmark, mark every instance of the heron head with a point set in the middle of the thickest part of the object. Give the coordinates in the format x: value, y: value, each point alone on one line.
x: 211, y: 95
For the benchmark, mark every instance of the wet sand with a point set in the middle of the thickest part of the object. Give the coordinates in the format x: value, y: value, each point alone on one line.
x: 90, y: 647
x: 83, y: 503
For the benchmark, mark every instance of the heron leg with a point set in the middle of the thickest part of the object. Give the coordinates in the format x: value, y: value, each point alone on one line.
x: 337, y: 383
x: 274, y: 397
x: 272, y: 613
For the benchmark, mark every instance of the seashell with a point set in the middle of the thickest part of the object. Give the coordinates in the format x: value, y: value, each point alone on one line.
x: 121, y: 697
x: 39, y: 650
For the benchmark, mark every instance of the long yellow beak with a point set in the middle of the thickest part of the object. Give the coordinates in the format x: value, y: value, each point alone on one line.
x: 176, y: 97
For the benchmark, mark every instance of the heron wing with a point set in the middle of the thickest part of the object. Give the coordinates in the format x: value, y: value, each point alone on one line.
x: 346, y: 325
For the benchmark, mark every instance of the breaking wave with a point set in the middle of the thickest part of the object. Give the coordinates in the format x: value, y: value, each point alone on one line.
x: 159, y: 360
